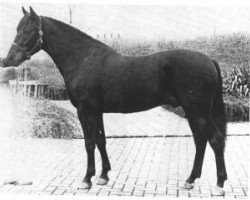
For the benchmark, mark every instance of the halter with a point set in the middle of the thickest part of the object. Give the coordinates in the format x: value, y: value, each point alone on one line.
x: 38, y: 43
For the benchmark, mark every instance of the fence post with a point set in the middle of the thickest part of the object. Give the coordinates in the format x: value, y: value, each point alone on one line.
x: 35, y: 91
x: 29, y: 88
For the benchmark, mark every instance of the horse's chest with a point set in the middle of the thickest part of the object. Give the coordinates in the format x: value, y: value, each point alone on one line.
x: 81, y: 93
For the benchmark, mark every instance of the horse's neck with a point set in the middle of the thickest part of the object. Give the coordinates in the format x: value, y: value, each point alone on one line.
x: 64, y: 46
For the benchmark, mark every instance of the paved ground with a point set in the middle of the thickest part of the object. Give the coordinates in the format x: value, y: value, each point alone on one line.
x: 140, y: 167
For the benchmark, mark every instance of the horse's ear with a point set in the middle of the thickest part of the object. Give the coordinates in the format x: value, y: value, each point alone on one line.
x: 32, y: 13
x: 24, y: 11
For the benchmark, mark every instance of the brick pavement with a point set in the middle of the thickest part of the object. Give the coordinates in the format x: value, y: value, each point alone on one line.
x: 156, y: 166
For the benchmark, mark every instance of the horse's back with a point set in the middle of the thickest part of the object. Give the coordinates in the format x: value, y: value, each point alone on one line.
x: 178, y: 68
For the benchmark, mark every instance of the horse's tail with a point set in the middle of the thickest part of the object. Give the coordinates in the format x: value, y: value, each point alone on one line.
x: 218, y: 108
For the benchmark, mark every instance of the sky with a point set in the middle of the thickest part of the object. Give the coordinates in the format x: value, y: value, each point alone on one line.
x: 133, y: 22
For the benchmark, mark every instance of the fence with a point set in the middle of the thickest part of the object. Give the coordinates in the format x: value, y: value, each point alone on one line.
x: 108, y: 36
x: 21, y: 83
x: 28, y: 88
x: 37, y: 89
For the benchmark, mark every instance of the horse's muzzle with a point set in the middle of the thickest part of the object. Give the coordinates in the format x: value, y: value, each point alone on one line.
x: 12, y: 61
x: 2, y: 62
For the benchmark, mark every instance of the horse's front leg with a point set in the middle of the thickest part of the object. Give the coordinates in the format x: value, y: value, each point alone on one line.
x: 101, y: 145
x: 89, y: 125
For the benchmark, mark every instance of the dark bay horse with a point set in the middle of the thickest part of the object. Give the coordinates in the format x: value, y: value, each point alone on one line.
x: 100, y: 80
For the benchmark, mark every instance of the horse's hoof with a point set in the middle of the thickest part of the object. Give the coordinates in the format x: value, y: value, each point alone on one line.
x: 218, y: 191
x: 85, y: 185
x: 102, y: 181
x: 188, y: 186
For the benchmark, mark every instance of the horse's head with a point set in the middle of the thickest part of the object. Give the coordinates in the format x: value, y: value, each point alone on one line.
x: 28, y: 39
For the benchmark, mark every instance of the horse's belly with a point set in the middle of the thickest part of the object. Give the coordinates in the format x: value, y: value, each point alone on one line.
x: 126, y: 104
x: 127, y: 108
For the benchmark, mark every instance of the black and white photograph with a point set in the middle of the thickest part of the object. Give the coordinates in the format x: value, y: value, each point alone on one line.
x: 124, y: 99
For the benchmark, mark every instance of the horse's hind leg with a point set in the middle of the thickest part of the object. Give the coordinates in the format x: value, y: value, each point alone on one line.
x: 217, y: 142
x: 101, y: 144
x: 197, y: 125
x: 207, y: 130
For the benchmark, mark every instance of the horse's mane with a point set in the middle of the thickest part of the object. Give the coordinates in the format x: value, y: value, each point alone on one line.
x: 74, y: 31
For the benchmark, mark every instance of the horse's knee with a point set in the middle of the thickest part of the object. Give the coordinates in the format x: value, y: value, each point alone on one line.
x: 217, y: 142
x: 202, y: 121
x: 90, y: 146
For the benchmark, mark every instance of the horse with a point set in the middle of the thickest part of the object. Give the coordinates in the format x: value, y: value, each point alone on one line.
x: 98, y: 80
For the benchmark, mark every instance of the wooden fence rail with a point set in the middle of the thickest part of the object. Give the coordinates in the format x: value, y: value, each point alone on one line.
x: 34, y: 89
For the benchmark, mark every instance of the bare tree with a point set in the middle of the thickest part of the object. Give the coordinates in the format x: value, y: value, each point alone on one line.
x: 71, y: 8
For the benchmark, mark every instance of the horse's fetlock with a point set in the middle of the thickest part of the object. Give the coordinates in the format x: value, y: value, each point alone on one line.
x: 91, y: 172
x: 221, y: 180
x: 222, y: 176
x: 106, y: 168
